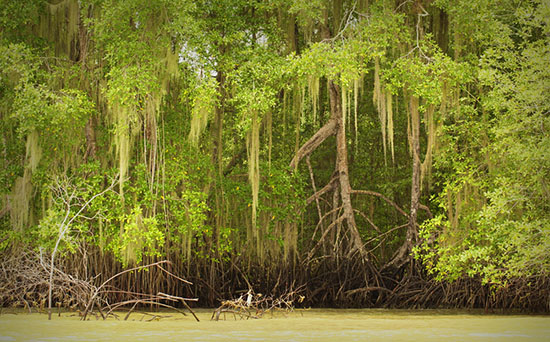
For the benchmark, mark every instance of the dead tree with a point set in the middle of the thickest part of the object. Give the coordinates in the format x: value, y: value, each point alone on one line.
x: 70, y: 198
x: 135, y: 298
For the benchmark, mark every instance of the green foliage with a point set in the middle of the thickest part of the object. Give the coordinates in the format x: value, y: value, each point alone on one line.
x: 16, y: 17
x: 502, y: 231
x: 201, y: 105
x: 183, y: 197
x: 47, y: 233
x: 282, y: 195
x: 141, y: 236
x: 58, y: 114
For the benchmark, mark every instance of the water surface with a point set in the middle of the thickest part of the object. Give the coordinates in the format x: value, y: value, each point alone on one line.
x: 302, y: 325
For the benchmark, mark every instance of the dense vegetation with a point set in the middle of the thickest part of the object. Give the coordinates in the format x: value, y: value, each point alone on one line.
x: 371, y: 152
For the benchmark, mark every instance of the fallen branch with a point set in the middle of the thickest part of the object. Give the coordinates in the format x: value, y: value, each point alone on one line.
x: 252, y: 305
x: 151, y: 299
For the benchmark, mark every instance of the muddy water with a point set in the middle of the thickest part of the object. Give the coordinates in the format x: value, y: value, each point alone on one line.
x: 302, y: 325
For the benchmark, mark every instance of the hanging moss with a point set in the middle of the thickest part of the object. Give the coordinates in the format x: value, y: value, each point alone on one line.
x: 122, y: 142
x: 151, y: 136
x: 415, y: 120
x: 383, y: 115
x: 381, y: 103
x: 59, y: 24
x: 21, y: 197
x: 313, y: 88
x: 344, y: 105
x: 285, y: 108
x: 349, y: 110
x: 408, y: 111
x: 269, y: 124
x: 199, y: 117
x: 169, y: 69
x: 355, y: 105
x: 426, y: 167
x: 389, y: 114
x: 442, y: 113
x: 298, y: 108
x: 376, y: 94
x: 253, y: 148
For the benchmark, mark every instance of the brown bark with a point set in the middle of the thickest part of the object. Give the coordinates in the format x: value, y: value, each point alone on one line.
x: 317, y: 139
x: 314, y: 187
x: 342, y: 167
x: 330, y: 186
x: 335, y: 125
x: 415, y: 187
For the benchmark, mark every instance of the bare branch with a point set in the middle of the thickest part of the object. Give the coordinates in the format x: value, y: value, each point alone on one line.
x: 379, y: 195
x: 325, y: 189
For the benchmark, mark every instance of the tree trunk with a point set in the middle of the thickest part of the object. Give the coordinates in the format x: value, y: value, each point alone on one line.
x: 415, y: 186
x: 90, y: 140
x: 342, y: 167
x: 217, y: 161
x: 335, y: 125
x: 403, y: 255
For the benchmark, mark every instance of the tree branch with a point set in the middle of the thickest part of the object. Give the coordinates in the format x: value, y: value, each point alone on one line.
x: 379, y: 195
x: 317, y: 139
x: 323, y: 191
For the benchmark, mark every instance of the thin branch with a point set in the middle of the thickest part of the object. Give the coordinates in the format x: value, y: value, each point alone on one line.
x: 379, y: 195
x: 313, y: 186
x: 321, y: 220
x: 325, y: 233
x: 183, y: 301
x: 98, y: 290
x: 175, y: 276
x: 367, y: 219
x: 321, y: 192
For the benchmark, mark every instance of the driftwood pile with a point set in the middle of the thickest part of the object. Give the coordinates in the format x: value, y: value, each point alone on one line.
x: 255, y: 305
x: 24, y: 282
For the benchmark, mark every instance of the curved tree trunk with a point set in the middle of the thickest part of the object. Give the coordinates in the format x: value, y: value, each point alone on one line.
x: 336, y: 126
x: 342, y: 167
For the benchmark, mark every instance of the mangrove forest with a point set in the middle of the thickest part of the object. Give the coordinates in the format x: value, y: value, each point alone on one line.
x: 320, y: 153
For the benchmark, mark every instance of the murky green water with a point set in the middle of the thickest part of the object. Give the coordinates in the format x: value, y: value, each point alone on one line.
x: 302, y: 325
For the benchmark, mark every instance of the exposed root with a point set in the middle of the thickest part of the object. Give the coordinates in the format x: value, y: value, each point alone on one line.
x: 24, y: 283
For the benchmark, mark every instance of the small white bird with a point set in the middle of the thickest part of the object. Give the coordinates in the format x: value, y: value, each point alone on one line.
x: 249, y: 298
